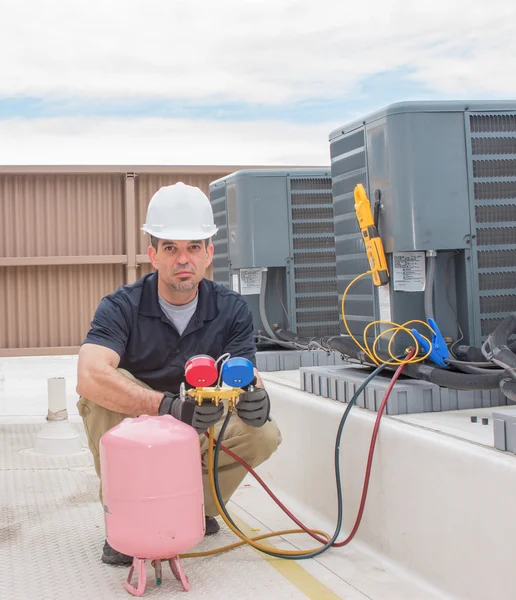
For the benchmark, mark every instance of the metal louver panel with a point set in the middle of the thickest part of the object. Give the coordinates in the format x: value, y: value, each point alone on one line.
x: 220, y: 241
x: 348, y: 168
x: 313, y: 244
x: 493, y: 167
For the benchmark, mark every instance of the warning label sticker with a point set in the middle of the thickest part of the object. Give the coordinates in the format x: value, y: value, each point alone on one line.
x: 409, y: 271
x: 250, y: 281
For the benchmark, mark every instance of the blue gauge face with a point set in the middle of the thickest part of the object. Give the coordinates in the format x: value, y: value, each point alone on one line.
x: 237, y: 372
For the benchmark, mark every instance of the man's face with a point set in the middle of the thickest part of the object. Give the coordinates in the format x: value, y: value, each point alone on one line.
x: 181, y: 264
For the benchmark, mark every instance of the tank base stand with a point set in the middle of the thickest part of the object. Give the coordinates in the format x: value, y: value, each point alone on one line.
x: 139, y: 565
x: 177, y: 569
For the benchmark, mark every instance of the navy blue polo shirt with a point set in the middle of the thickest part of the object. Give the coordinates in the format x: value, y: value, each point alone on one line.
x: 130, y: 322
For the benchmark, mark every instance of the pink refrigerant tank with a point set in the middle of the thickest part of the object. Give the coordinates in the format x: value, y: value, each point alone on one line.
x: 153, y: 492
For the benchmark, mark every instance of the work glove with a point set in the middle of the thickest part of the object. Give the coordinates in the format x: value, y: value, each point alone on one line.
x: 254, y: 406
x: 200, y: 417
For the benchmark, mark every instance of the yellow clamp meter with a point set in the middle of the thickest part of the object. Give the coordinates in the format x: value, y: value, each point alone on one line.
x: 372, y: 239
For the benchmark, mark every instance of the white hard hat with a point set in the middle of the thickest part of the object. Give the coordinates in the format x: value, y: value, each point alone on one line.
x: 180, y: 212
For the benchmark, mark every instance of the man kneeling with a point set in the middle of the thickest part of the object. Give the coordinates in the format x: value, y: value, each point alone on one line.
x: 133, y: 358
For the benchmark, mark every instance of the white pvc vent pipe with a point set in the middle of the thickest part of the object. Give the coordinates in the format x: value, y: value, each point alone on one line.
x: 58, y: 437
x: 57, y: 399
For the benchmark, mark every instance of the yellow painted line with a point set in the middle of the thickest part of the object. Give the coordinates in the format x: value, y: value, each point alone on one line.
x: 303, y: 580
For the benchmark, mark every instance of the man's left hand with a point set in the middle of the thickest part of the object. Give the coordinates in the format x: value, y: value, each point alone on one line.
x: 253, y: 407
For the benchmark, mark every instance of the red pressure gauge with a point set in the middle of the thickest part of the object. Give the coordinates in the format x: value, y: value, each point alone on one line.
x: 201, y: 371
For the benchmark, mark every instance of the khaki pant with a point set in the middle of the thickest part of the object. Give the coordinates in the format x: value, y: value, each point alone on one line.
x: 253, y: 444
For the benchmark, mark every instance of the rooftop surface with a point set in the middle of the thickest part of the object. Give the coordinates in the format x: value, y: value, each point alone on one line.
x: 52, y: 527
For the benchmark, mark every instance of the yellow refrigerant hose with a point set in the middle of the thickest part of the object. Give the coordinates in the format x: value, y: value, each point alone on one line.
x: 395, y: 329
x: 244, y: 539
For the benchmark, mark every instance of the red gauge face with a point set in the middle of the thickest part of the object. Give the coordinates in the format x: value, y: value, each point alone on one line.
x: 201, y: 371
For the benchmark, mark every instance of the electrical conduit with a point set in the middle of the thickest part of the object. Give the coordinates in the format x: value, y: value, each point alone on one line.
x: 431, y: 259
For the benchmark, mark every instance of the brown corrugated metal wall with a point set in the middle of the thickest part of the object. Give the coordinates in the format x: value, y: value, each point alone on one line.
x: 68, y: 236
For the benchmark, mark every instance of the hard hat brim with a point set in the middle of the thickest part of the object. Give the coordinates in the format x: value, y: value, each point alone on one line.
x: 183, y: 235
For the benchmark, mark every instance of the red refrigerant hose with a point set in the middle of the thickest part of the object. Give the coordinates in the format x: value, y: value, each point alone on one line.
x: 367, y: 473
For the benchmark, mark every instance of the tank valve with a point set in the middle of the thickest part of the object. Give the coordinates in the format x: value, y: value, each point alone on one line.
x: 157, y: 571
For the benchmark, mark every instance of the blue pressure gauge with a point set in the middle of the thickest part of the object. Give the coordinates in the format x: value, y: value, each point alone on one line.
x: 237, y: 372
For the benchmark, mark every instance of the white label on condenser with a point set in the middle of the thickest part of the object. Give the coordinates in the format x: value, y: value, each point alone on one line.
x: 384, y: 302
x: 234, y: 283
x: 409, y: 271
x: 250, y: 281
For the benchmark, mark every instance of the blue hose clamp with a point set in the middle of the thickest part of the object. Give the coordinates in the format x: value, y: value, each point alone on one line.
x: 440, y: 353
x: 237, y: 372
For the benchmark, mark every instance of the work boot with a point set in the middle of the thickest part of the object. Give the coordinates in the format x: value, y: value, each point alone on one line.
x: 110, y: 556
x: 212, y: 526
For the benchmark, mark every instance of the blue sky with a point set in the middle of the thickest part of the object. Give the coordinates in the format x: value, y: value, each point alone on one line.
x: 371, y: 93
x: 233, y: 82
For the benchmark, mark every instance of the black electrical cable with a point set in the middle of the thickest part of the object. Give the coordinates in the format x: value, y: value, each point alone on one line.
x: 473, y: 354
x: 342, y: 344
x: 452, y: 379
x: 330, y: 542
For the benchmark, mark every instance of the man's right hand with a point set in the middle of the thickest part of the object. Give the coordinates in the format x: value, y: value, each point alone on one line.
x: 200, y: 417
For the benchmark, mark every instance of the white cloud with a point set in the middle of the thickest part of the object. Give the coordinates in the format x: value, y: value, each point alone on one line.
x: 153, y: 141
x: 247, y: 50
x: 265, y: 51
